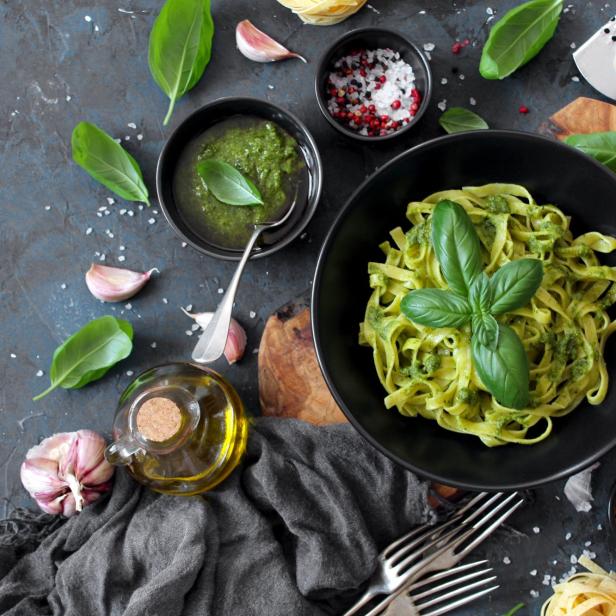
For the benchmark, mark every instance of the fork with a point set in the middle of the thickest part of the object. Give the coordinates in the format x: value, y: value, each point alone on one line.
x: 464, y: 589
x: 432, y: 548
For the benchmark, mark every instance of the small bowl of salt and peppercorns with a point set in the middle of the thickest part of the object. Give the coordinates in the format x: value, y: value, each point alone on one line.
x: 373, y: 84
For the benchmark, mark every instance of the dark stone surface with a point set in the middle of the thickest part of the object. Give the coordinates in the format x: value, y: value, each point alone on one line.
x: 59, y: 68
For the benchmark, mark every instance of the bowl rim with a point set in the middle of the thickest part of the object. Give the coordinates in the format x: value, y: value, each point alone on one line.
x: 314, y: 310
x: 322, y: 66
x: 294, y: 232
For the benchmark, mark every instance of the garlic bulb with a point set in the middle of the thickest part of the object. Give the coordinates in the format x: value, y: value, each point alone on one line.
x: 115, y: 284
x: 236, y: 338
x: 67, y: 471
x: 578, y: 489
x: 258, y: 46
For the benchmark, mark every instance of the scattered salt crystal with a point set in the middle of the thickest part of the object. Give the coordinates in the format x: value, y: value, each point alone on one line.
x: 421, y: 13
x: 48, y: 207
x: 575, y: 78
x: 270, y: 86
x: 122, y: 212
x: 189, y: 332
x: 121, y: 258
x: 68, y: 98
x: 122, y: 247
x: 129, y: 373
x: 462, y: 77
x: 536, y: 530
x: 151, y: 220
x: 88, y: 18
x: 189, y: 308
x: 567, y: 536
x: 429, y: 46
x: 573, y: 45
x: 13, y: 356
x: 153, y: 345
x: 253, y: 314
x: 130, y: 213
x: 490, y: 11
x: 88, y: 230
x: 599, y: 526
x: 96, y: 28
x: 102, y: 208
x: 128, y: 306
x: 107, y: 212
x: 102, y: 257
x: 63, y: 285
x: 110, y: 200
x: 154, y: 211
x: 184, y: 244
x: 139, y: 137
x: 220, y: 291
x: 442, y: 105
x: 588, y: 544
x: 126, y: 137
x: 194, y: 327
x: 507, y: 560
x: 140, y: 207
x: 165, y: 300
x: 39, y: 373
x: 444, y: 81
x: 472, y: 101
x: 533, y: 572
x: 99, y: 214
x: 546, y: 579
x: 534, y: 594
x: 573, y: 559
x: 131, y: 125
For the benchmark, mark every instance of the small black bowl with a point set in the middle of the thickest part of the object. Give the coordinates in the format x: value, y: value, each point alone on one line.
x: 553, y: 173
x: 213, y: 113
x: 374, y: 38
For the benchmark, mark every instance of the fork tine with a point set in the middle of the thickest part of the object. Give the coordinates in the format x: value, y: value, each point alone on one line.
x: 460, y: 602
x: 456, y: 592
x: 445, y: 574
x: 449, y: 584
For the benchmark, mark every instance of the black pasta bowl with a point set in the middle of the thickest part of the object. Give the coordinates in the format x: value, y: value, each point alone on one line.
x: 553, y: 173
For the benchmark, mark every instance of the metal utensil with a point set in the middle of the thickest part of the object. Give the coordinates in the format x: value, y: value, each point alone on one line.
x: 460, y: 583
x: 427, y: 549
x: 212, y: 341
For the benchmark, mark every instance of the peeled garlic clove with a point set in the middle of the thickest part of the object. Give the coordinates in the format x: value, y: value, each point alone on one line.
x: 67, y: 471
x: 258, y: 46
x: 236, y: 338
x: 115, y: 284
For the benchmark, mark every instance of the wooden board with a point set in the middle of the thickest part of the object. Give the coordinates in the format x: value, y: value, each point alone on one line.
x: 290, y: 381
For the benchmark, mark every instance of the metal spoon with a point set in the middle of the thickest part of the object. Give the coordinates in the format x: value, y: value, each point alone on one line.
x: 211, y: 344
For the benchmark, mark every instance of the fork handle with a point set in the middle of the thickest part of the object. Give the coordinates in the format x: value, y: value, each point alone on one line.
x: 365, y: 598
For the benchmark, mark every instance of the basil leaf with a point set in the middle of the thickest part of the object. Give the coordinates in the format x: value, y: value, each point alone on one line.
x: 458, y: 120
x: 456, y: 244
x: 503, y: 370
x: 601, y: 146
x: 435, y: 308
x: 480, y: 294
x: 180, y: 47
x: 514, y: 610
x: 89, y: 353
x: 514, y: 284
x: 227, y: 184
x: 518, y: 37
x: 108, y: 162
x: 485, y: 327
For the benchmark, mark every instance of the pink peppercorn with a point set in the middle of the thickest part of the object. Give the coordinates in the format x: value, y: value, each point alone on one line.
x: 396, y: 104
x: 523, y: 109
x: 456, y: 48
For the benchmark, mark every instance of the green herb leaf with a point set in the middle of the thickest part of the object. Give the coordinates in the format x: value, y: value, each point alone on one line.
x: 514, y: 610
x: 456, y: 244
x: 89, y: 353
x: 180, y: 47
x: 514, y: 284
x: 435, y: 308
x: 458, y: 120
x: 518, y: 37
x: 601, y: 146
x: 503, y: 370
x: 227, y: 184
x: 480, y: 294
x: 108, y: 162
x: 485, y: 327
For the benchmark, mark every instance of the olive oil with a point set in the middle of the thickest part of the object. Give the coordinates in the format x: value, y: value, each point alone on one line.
x: 180, y: 429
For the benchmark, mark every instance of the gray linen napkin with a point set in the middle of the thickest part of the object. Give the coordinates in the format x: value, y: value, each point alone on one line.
x: 294, y: 531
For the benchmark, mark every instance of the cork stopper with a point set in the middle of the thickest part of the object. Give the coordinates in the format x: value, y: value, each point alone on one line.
x: 158, y: 419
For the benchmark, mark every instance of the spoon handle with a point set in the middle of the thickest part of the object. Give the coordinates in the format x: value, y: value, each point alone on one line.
x: 212, y: 342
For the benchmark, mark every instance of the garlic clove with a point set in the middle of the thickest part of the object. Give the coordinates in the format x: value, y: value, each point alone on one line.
x: 258, y: 46
x: 236, y: 338
x: 67, y: 471
x: 115, y: 284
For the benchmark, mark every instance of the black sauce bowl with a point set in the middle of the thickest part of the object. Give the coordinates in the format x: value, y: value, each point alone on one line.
x: 206, y: 117
x: 553, y: 173
x: 374, y: 38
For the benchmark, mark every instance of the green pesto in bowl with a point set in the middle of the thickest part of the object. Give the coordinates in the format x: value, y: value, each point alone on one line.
x: 260, y: 150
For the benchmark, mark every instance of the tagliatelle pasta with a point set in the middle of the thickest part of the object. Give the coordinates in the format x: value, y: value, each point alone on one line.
x: 589, y: 593
x: 323, y: 12
x: 429, y: 372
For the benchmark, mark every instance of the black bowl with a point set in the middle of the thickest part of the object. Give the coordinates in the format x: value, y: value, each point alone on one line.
x: 553, y: 173
x: 204, y: 118
x: 374, y: 38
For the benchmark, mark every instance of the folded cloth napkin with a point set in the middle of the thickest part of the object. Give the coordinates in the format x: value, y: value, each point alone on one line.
x: 294, y: 531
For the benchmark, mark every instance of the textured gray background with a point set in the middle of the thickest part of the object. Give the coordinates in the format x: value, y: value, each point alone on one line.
x: 59, y: 68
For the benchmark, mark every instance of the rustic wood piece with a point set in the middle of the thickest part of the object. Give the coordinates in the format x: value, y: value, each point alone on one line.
x: 290, y: 380
x: 583, y: 115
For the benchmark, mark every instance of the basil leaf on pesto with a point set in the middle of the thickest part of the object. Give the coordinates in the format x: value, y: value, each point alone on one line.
x: 600, y: 146
x: 227, y: 184
x: 436, y: 308
x: 514, y: 284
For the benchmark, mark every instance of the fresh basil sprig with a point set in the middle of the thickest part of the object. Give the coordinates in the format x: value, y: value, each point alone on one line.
x: 227, y: 184
x: 89, y: 353
x: 108, y: 162
x: 180, y: 47
x: 518, y: 37
x: 498, y: 354
x: 458, y: 120
x: 601, y: 146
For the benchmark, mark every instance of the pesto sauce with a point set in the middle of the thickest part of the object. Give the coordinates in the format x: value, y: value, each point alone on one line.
x: 261, y: 151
